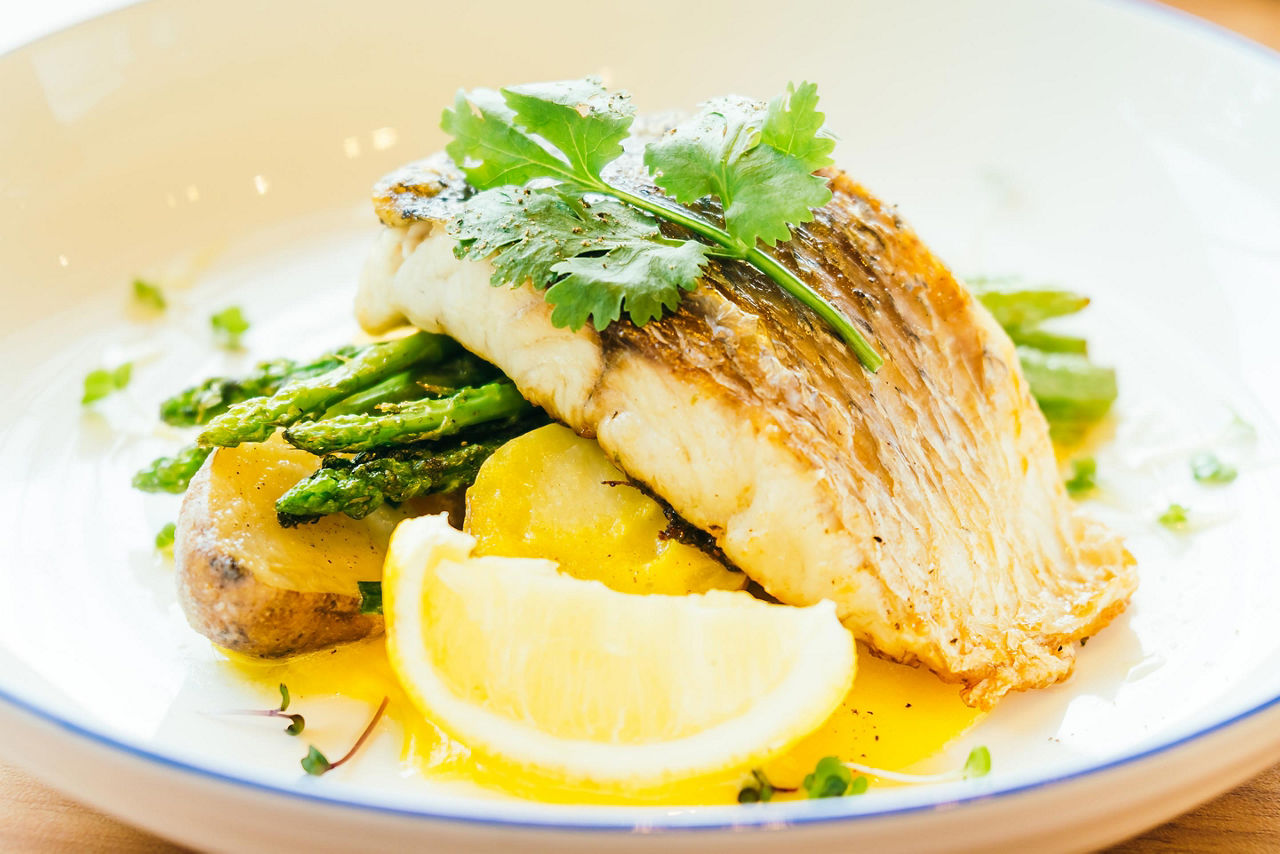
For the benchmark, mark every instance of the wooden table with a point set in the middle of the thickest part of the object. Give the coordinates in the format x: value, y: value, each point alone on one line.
x: 35, y: 818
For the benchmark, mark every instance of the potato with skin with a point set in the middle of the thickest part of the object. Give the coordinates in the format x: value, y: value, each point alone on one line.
x: 254, y: 587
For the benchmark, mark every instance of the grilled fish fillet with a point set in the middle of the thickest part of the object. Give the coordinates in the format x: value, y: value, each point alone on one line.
x: 924, y: 500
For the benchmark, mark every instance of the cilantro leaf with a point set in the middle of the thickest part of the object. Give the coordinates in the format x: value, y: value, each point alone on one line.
x: 647, y: 277
x: 1207, y: 468
x: 527, y: 232
x: 793, y: 126
x: 603, y: 256
x: 489, y: 147
x: 228, y: 326
x: 725, y: 152
x: 768, y: 192
x: 687, y: 162
x: 579, y: 117
x: 103, y: 381
x: 148, y: 295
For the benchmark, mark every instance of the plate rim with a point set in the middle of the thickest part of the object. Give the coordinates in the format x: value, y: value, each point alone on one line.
x: 650, y: 817
x: 689, y: 818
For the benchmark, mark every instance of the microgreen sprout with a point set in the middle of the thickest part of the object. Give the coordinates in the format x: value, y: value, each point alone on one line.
x: 758, y: 789
x: 316, y: 763
x: 296, y: 722
x: 831, y: 779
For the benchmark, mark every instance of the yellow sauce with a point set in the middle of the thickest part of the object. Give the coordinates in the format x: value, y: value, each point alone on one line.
x: 551, y: 494
x: 894, y: 718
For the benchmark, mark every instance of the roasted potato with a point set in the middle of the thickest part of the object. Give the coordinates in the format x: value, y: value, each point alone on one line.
x: 254, y: 587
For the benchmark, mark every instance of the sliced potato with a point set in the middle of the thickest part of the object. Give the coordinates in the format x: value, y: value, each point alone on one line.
x: 254, y: 587
x: 552, y: 494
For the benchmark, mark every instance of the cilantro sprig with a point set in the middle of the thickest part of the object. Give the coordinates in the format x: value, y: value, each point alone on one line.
x: 545, y: 214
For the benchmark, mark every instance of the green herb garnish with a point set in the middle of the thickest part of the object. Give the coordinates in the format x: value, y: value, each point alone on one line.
x: 546, y: 215
x: 1207, y: 468
x: 979, y: 762
x: 370, y: 597
x: 758, y: 789
x: 103, y: 381
x: 228, y: 325
x: 148, y: 295
x: 1175, y: 517
x: 831, y: 779
x: 296, y: 722
x: 1083, y: 474
x: 164, y: 537
x: 315, y: 763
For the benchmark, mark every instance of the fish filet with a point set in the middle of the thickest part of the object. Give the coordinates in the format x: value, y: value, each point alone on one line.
x: 924, y: 500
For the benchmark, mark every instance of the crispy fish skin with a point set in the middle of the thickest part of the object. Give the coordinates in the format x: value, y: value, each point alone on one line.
x: 924, y: 500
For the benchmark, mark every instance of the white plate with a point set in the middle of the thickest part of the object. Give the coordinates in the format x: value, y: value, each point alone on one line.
x: 228, y: 149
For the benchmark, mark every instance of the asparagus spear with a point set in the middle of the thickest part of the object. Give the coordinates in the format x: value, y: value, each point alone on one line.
x: 410, y: 422
x: 396, y: 388
x: 436, y: 380
x: 172, y: 474
x: 200, y: 403
x: 359, y: 486
x: 255, y: 420
x: 1072, y: 391
x: 1049, y: 342
x: 1017, y: 306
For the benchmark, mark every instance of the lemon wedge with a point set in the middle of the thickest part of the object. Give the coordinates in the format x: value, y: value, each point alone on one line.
x: 567, y: 680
